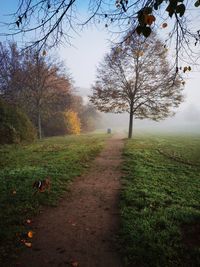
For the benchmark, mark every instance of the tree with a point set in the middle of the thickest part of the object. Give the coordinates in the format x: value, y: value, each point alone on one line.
x: 36, y: 83
x: 72, y: 122
x: 47, y: 88
x: 11, y: 77
x: 136, y: 78
x: 53, y: 20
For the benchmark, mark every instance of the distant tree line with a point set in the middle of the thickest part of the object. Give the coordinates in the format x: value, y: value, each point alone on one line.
x: 41, y: 87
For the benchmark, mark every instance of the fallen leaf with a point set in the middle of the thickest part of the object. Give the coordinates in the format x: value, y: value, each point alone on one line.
x: 74, y: 264
x: 30, y: 234
x: 28, y: 244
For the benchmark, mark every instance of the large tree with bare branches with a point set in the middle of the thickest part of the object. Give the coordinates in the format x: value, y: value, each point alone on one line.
x: 53, y: 21
x: 136, y: 77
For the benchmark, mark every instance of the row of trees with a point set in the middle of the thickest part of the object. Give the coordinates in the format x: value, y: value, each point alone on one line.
x: 43, y: 89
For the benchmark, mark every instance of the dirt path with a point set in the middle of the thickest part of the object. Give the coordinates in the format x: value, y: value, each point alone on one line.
x: 83, y: 227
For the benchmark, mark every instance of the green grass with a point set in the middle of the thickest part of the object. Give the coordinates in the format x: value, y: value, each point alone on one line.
x: 61, y: 158
x: 160, y: 201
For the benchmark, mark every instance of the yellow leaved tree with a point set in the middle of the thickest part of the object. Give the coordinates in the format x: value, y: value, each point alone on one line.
x: 72, y: 122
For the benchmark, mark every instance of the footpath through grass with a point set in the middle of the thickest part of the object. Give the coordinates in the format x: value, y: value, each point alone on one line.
x: 160, y: 203
x: 60, y: 158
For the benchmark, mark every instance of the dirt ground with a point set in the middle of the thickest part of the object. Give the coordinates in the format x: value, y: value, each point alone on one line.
x: 82, y: 230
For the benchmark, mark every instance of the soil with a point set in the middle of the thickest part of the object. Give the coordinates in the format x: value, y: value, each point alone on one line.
x: 81, y: 231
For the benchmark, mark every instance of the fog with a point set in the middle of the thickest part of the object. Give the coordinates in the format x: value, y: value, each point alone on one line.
x: 83, y: 58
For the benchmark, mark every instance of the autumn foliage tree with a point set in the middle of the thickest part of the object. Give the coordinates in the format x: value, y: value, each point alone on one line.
x: 73, y: 125
x: 47, y: 90
x: 38, y: 84
x: 136, y: 77
x: 42, y: 88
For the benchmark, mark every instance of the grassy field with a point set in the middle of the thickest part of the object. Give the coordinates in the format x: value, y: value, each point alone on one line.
x: 61, y: 158
x: 160, y: 202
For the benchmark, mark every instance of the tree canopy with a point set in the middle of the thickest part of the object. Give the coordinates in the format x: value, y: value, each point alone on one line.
x: 136, y: 77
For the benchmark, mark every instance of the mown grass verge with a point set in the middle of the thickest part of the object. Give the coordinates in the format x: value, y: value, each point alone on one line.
x: 61, y: 158
x: 160, y: 202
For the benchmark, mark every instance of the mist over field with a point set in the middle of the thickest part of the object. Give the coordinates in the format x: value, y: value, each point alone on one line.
x: 187, y: 117
x: 185, y: 120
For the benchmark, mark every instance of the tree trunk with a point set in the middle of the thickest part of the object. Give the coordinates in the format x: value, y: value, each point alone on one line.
x: 39, y: 126
x: 130, y: 132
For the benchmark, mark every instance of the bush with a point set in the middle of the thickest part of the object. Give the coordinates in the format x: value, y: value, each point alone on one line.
x: 15, y: 126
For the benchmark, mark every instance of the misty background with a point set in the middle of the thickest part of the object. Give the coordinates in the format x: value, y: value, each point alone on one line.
x: 83, y: 58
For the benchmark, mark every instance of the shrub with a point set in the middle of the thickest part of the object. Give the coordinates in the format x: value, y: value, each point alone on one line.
x: 15, y: 126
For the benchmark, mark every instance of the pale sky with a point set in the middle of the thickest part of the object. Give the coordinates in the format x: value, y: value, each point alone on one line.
x: 89, y: 48
x: 82, y: 60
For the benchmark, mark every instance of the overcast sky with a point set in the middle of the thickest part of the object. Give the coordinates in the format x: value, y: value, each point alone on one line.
x: 89, y: 48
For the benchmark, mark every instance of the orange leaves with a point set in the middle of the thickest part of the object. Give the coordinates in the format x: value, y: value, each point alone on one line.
x: 149, y: 19
x: 72, y: 122
x: 30, y: 234
x: 145, y: 19
x: 27, y: 236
